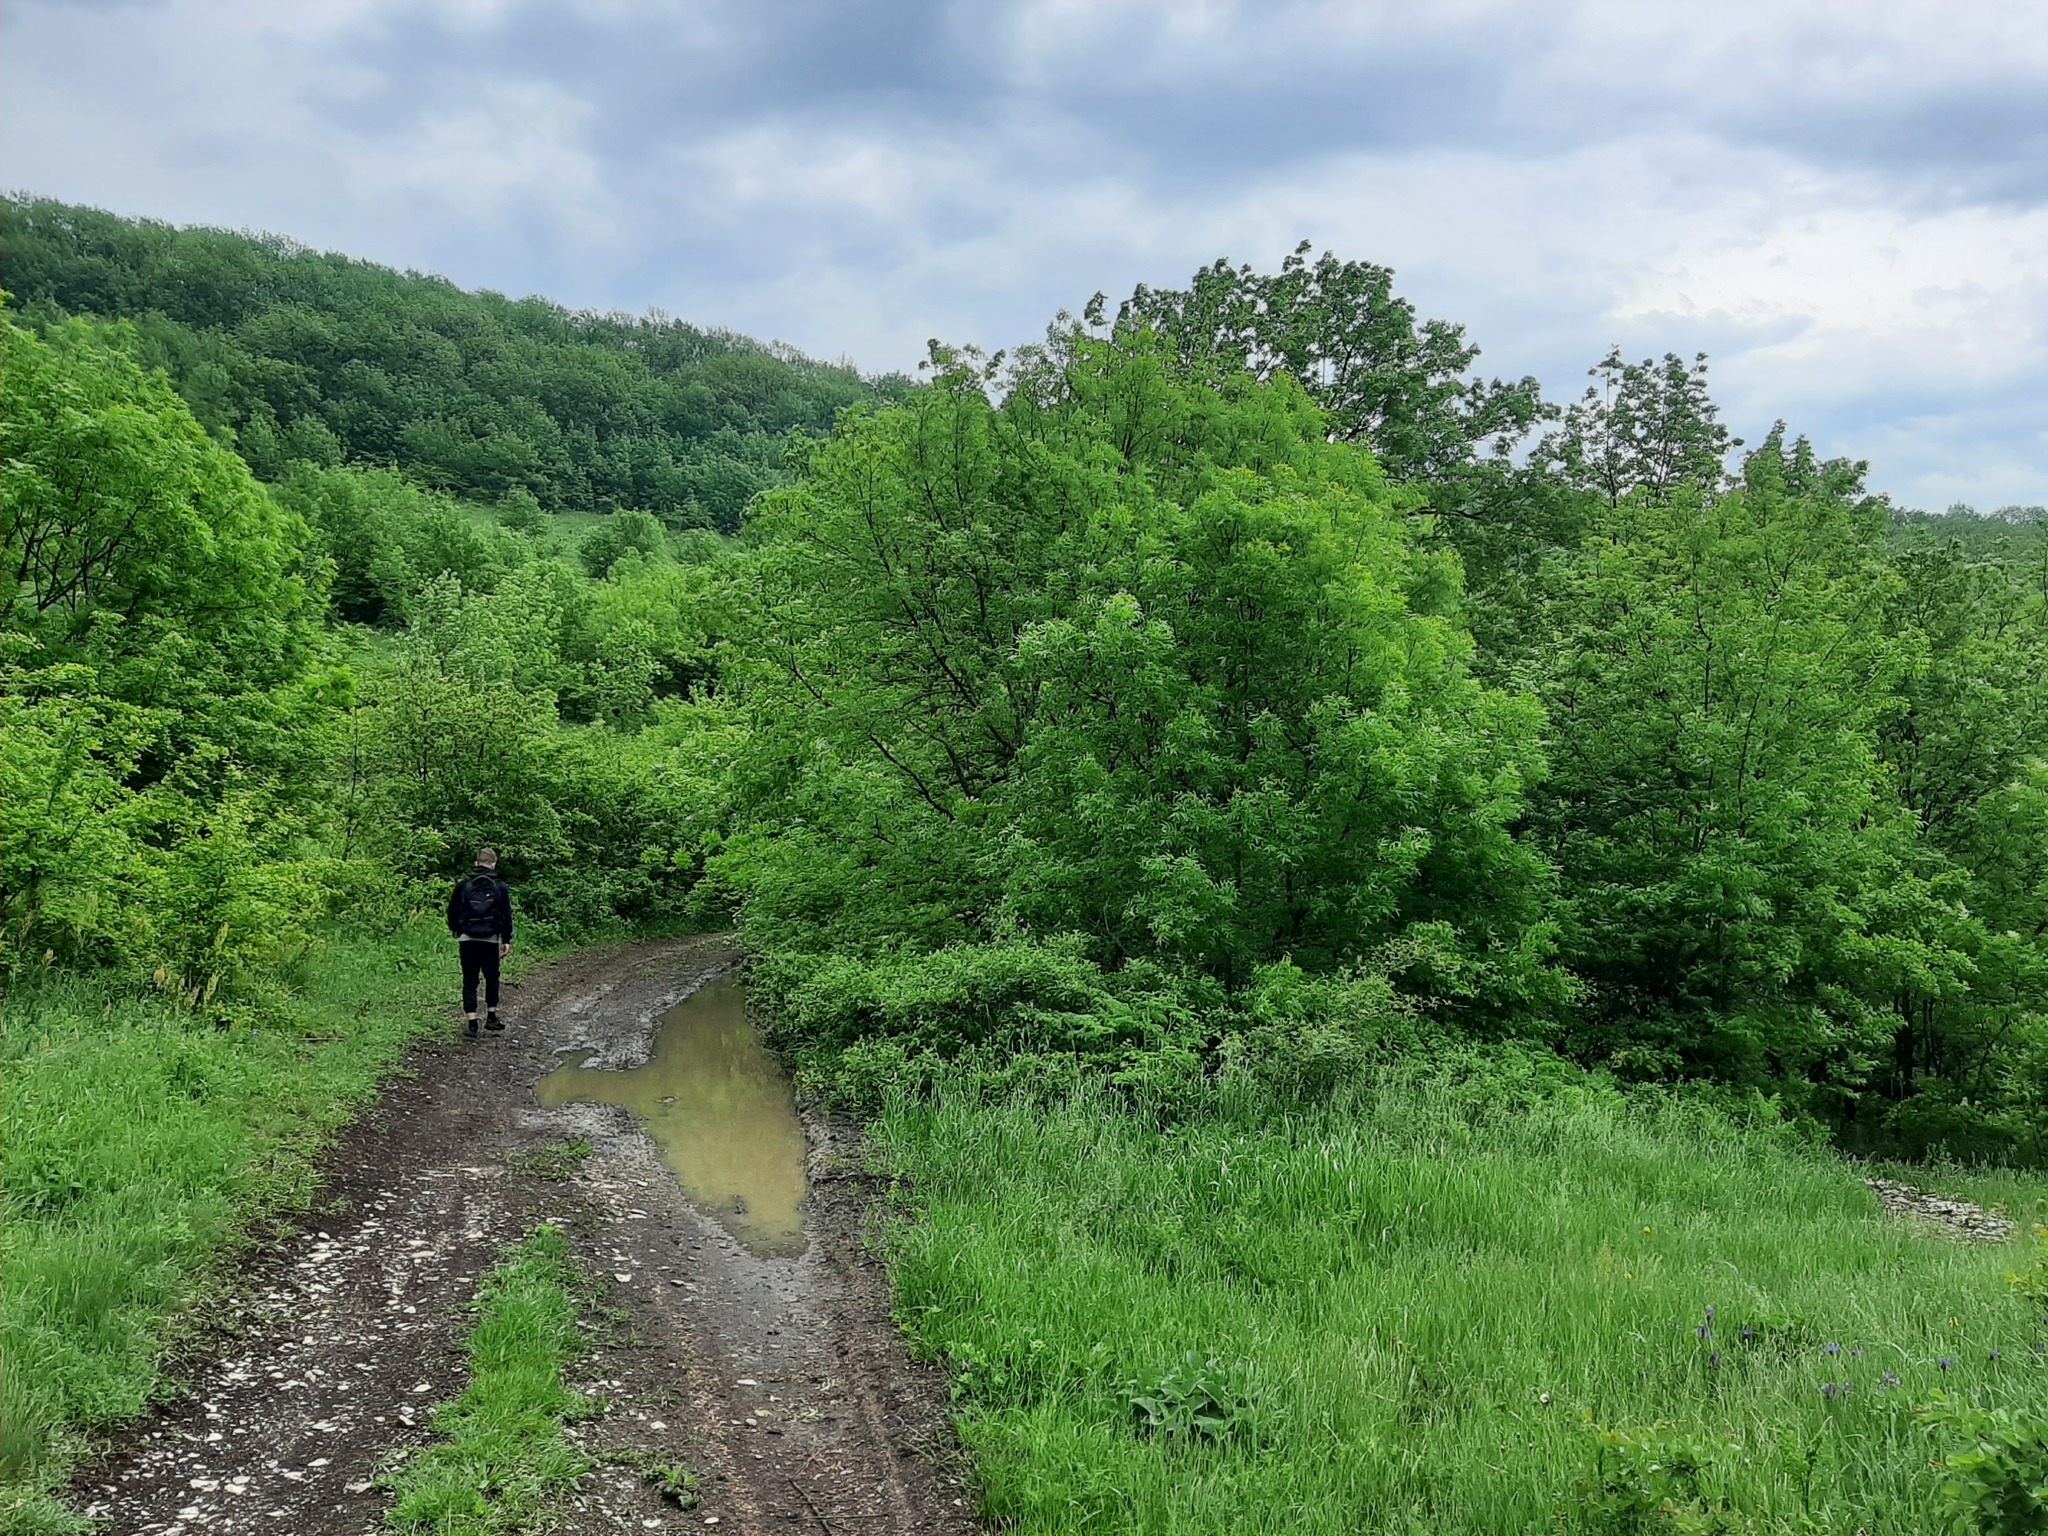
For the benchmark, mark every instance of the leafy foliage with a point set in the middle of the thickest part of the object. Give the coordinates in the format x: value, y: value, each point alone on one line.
x: 387, y: 539
x: 1195, y: 1400
x: 1998, y: 1480
x: 1211, y: 687
x: 1650, y: 1480
x: 1341, y: 332
x: 617, y: 536
x: 142, y: 549
x: 1717, y: 680
x: 161, y: 662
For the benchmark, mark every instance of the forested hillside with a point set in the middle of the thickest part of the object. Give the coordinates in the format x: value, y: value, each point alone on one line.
x: 1199, y: 715
x: 306, y: 356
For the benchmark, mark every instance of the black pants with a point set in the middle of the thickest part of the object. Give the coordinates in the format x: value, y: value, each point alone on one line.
x: 479, y: 960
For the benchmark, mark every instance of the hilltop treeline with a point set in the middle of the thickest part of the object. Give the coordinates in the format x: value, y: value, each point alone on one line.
x: 1232, y: 684
x: 297, y: 355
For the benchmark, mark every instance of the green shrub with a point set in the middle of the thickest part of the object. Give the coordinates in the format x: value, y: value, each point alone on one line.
x: 1996, y: 1461
x: 1023, y: 993
x: 1200, y: 1398
x: 389, y: 538
x: 621, y: 534
x: 1646, y: 1481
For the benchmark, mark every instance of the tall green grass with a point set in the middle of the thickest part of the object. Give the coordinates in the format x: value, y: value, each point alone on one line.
x: 140, y: 1141
x: 1422, y: 1310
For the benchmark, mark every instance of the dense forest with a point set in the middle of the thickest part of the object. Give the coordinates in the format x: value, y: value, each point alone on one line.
x: 1231, y: 690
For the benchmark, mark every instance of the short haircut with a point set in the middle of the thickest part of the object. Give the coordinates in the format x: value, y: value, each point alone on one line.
x: 487, y: 856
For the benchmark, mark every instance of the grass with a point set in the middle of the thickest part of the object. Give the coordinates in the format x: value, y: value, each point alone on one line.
x: 141, y: 1142
x: 1446, y: 1306
x: 504, y: 1454
x: 672, y: 1480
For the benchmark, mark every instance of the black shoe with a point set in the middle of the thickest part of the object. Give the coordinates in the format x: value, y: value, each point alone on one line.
x: 493, y: 1023
x: 469, y: 1029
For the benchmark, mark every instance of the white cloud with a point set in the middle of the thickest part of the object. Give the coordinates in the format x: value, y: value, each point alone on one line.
x: 1846, y: 201
x: 508, y: 147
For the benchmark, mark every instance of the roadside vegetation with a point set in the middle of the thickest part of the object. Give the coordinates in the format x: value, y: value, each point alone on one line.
x: 504, y: 1456
x: 1355, y: 896
x: 143, y: 1139
x: 1462, y: 1301
x: 231, y: 811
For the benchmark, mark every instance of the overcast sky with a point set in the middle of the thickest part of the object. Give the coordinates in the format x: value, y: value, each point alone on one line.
x: 1845, y: 202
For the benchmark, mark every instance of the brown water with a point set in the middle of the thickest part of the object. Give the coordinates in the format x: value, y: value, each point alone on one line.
x: 722, y: 1112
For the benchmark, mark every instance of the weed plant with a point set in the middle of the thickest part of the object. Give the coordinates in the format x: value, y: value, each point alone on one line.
x: 142, y: 1138
x: 1442, y: 1304
x: 558, y: 1160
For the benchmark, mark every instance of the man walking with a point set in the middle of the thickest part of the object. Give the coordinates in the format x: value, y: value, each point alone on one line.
x: 480, y: 917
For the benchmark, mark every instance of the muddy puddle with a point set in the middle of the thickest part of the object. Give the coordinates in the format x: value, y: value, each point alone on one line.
x: 722, y: 1112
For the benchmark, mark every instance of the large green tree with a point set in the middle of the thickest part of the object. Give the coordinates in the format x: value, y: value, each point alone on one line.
x: 1400, y: 387
x: 1968, y: 752
x: 163, y: 677
x: 1134, y: 657
x: 1404, y: 387
x: 137, y: 546
x: 1746, y: 887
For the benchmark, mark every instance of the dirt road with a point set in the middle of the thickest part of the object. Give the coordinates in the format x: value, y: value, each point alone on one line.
x: 779, y: 1381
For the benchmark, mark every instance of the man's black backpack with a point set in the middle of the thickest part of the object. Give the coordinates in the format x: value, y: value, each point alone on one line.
x: 477, y: 906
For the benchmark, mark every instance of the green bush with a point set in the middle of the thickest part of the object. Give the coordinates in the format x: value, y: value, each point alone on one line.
x: 621, y: 534
x: 1023, y: 994
x: 388, y: 539
x: 1064, y: 772
x: 1996, y: 1462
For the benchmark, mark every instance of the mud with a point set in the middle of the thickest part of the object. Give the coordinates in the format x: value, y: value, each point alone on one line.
x: 779, y: 1380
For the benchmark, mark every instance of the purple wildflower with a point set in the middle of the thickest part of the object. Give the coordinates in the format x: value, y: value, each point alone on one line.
x: 1994, y: 1354
x: 1834, y: 1389
x: 1833, y: 1349
x: 1714, y: 1360
x: 1945, y: 1363
x: 1856, y: 1354
x: 1710, y: 1314
x: 1748, y: 1334
x: 1888, y: 1380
